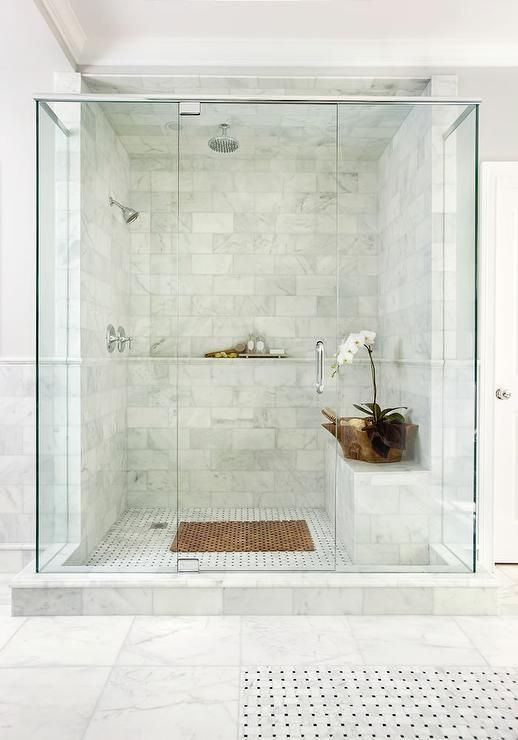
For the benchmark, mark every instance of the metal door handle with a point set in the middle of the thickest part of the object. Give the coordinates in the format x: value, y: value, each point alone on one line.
x: 503, y: 394
x: 320, y: 356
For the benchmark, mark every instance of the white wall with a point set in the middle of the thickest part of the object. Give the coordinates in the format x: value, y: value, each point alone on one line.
x: 29, y: 57
x: 499, y: 110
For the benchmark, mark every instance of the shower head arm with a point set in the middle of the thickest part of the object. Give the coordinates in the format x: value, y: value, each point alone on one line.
x: 129, y: 214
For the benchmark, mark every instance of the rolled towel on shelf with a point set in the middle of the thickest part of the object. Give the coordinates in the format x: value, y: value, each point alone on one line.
x: 331, y: 415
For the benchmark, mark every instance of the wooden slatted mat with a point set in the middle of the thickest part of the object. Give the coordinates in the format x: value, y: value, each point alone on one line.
x: 288, y: 535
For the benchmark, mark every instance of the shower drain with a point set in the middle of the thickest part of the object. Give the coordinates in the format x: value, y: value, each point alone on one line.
x: 158, y: 525
x: 405, y: 703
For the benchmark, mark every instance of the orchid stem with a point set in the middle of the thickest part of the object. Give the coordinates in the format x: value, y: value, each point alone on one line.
x: 373, y: 373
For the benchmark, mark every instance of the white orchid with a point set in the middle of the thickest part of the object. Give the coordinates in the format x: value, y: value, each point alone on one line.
x: 385, y: 427
x: 350, y: 346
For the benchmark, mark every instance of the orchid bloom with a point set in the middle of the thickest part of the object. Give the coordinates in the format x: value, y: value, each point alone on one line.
x: 350, y: 346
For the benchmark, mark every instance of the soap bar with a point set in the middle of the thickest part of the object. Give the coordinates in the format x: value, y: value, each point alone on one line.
x: 274, y: 351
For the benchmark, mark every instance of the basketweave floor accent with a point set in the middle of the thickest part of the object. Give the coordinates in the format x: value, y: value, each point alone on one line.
x: 133, y: 544
x: 418, y: 703
x: 238, y: 536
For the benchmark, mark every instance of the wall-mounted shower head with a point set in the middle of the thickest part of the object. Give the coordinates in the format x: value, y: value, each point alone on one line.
x: 223, y: 144
x: 129, y: 214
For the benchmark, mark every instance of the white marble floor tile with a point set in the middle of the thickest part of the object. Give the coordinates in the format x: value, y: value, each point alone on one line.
x: 495, y: 637
x: 5, y: 589
x: 406, y: 640
x: 48, y: 703
x: 60, y: 641
x: 181, y: 641
x: 509, y: 571
x: 166, y: 703
x: 303, y: 640
x: 8, y: 627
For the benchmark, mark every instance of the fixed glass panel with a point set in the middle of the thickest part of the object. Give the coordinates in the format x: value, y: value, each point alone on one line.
x: 107, y: 428
x: 257, y: 203
x: 52, y: 376
x: 406, y: 273
x: 459, y: 326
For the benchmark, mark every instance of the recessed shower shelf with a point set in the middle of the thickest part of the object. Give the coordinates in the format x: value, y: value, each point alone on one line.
x: 256, y: 356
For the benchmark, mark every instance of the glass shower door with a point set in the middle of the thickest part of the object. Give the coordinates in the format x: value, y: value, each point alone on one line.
x: 257, y: 291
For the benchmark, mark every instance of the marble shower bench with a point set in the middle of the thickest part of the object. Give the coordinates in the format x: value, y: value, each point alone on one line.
x: 386, y: 515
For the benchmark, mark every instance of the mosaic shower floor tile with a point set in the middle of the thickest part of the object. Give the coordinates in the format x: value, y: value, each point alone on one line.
x: 141, y: 539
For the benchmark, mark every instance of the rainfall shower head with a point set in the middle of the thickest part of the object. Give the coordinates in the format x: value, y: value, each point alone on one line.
x: 223, y: 144
x: 129, y: 214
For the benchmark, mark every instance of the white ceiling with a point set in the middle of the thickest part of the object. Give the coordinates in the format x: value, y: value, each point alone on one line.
x: 332, y: 33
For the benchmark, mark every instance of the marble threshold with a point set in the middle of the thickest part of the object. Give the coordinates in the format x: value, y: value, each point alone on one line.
x: 290, y: 593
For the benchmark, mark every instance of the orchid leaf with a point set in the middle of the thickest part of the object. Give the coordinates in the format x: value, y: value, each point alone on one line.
x: 363, y: 410
x: 398, y: 418
x: 375, y: 409
x: 386, y: 412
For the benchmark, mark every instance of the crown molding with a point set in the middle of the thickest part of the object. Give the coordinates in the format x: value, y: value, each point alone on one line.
x: 65, y: 26
x: 139, y: 53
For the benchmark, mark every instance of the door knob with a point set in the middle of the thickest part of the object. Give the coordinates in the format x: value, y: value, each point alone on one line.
x: 503, y: 394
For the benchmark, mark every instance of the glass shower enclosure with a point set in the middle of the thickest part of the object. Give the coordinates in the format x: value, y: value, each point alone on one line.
x: 199, y: 264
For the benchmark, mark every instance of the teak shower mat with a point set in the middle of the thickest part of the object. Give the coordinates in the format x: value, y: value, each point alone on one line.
x: 268, y: 536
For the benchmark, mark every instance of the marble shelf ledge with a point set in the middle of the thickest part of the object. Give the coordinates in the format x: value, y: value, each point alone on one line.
x: 389, y: 474
x: 253, y: 593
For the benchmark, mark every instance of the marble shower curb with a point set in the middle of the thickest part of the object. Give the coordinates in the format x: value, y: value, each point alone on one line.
x: 253, y: 594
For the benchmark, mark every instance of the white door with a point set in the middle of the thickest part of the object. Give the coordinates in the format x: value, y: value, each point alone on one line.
x: 502, y: 214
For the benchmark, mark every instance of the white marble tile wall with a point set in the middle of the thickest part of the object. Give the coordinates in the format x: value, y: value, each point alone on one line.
x: 17, y: 453
x: 405, y: 282
x: 257, y: 249
x: 104, y: 260
x: 273, y: 85
x: 249, y: 433
x: 257, y: 252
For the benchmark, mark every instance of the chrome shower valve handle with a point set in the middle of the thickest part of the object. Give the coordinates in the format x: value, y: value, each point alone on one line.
x: 123, y: 339
x: 111, y: 338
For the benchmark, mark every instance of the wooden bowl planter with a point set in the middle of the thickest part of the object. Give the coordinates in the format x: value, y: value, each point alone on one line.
x: 356, y: 445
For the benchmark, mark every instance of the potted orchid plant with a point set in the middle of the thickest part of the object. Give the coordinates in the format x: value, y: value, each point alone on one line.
x: 381, y: 435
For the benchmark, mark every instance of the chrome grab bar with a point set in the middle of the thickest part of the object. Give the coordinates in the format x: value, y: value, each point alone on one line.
x: 320, y: 355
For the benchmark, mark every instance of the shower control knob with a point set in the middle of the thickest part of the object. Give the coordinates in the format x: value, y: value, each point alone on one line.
x: 123, y: 339
x: 112, y: 339
x: 503, y: 394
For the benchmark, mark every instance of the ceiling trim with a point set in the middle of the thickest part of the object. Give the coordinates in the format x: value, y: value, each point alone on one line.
x: 165, y: 53
x: 65, y: 26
